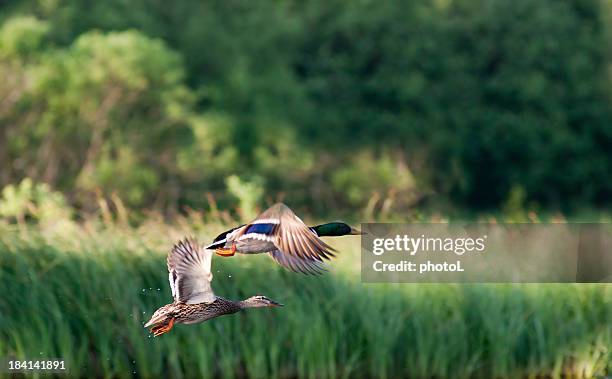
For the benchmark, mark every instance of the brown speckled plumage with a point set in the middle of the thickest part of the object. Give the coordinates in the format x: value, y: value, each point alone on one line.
x: 192, y: 313
x: 190, y: 275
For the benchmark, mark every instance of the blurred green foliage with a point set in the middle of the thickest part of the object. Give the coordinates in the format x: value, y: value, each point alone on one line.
x: 90, y: 291
x: 248, y: 195
x: 332, y: 105
x: 35, y: 201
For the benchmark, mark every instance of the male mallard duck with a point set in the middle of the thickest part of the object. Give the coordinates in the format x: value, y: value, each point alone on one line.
x: 194, y: 300
x: 281, y: 233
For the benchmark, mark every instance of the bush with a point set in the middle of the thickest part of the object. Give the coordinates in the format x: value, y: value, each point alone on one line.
x: 477, y: 97
x: 35, y: 201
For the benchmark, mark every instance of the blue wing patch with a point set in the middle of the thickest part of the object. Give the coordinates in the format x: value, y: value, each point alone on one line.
x: 266, y: 229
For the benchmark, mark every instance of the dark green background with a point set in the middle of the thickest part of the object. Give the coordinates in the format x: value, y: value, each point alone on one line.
x: 331, y: 106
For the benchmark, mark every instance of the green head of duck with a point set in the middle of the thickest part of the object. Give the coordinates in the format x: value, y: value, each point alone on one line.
x: 335, y: 229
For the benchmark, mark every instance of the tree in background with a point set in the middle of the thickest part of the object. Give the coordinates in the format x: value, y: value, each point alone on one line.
x: 108, y: 112
x: 327, y: 105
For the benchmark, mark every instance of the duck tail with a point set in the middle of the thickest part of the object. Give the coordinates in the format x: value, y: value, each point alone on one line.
x: 161, y: 322
x: 163, y: 327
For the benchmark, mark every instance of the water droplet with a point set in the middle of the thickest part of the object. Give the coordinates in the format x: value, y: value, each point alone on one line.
x: 143, y: 290
x: 159, y: 289
x: 229, y: 276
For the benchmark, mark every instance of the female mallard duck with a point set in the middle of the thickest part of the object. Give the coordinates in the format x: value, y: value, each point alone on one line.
x: 281, y: 233
x: 194, y: 300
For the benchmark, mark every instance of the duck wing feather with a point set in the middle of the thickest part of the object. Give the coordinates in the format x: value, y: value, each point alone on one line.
x: 298, y: 248
x: 189, y: 268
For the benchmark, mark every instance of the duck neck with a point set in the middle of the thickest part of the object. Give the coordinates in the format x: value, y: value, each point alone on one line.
x: 248, y: 303
x: 227, y: 306
x: 251, y: 303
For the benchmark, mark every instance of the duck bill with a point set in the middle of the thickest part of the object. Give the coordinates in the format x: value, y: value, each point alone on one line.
x: 275, y: 304
x: 356, y: 232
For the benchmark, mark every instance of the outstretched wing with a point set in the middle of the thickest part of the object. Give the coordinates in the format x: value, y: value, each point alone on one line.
x: 298, y: 248
x: 296, y: 264
x: 189, y: 272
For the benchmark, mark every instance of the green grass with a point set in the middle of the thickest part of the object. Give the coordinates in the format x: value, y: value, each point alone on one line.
x: 83, y: 294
